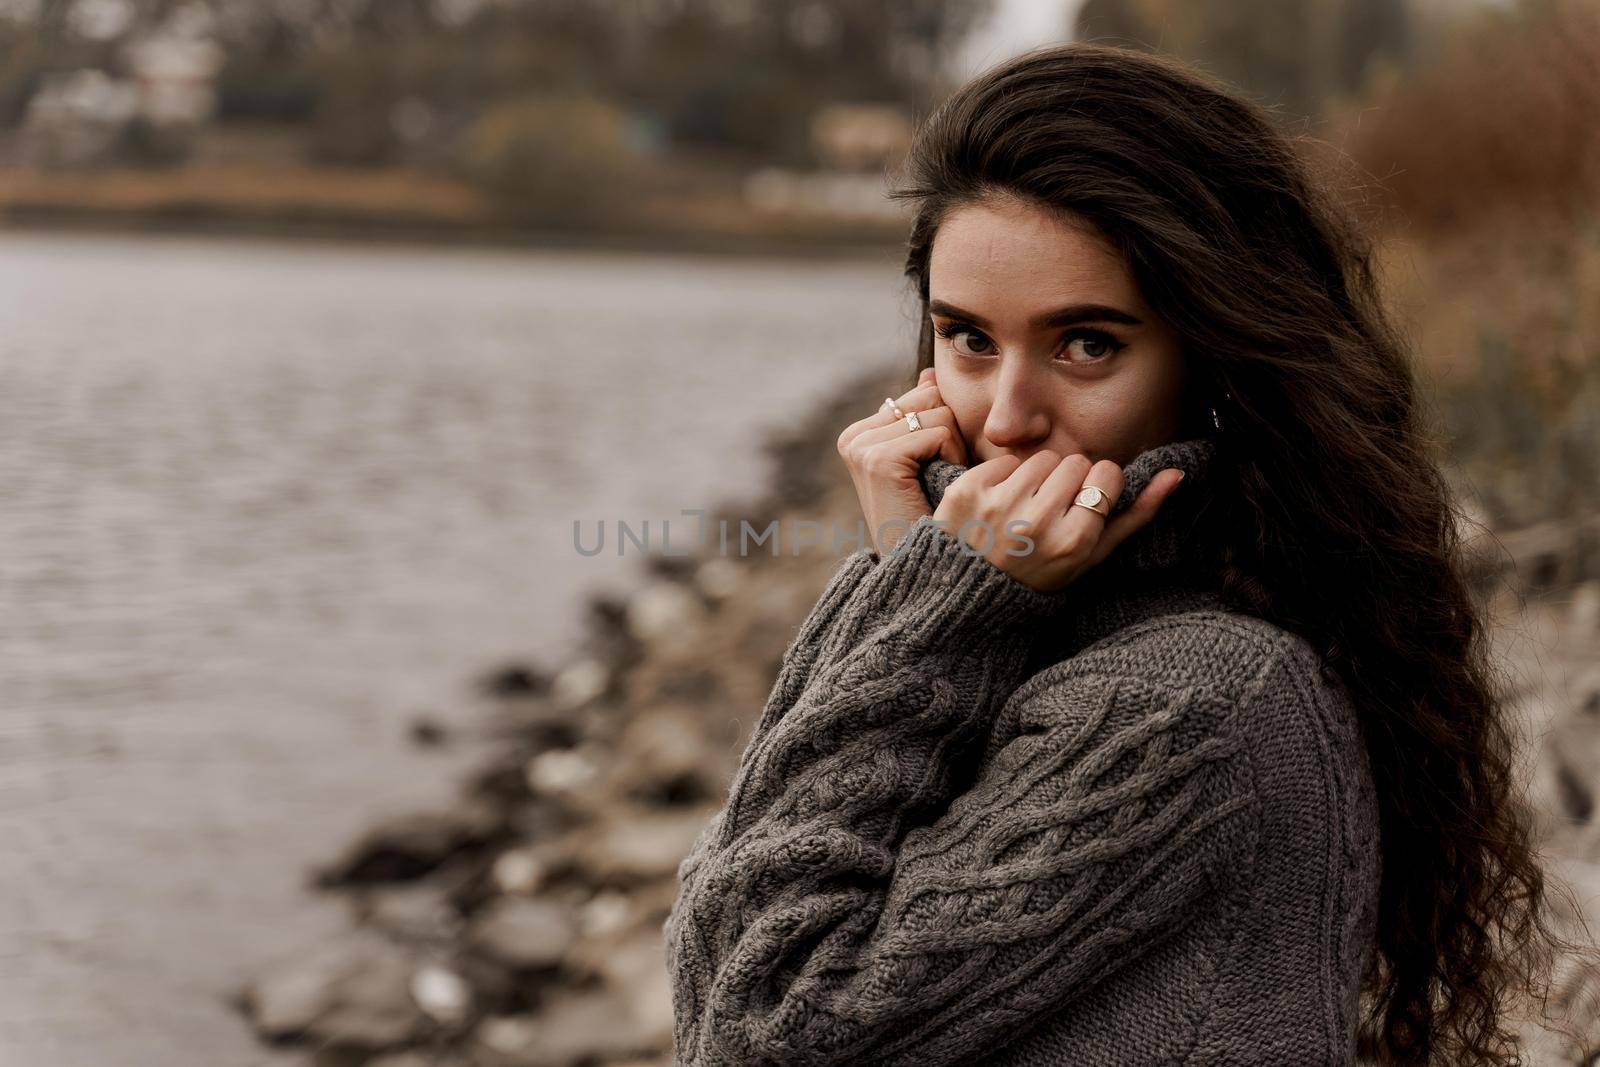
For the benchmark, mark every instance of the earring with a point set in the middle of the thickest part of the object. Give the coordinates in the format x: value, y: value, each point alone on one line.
x: 1214, y: 420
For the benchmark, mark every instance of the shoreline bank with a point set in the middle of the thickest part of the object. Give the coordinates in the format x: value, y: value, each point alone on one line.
x: 521, y: 927
x: 425, y: 235
x: 386, y: 207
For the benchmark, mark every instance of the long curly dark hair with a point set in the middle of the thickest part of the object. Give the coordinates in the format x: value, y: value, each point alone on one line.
x: 1340, y: 524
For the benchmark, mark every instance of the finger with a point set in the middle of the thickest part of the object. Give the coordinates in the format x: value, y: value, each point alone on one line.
x: 1063, y: 483
x: 1031, y: 473
x: 920, y: 444
x: 992, y: 472
x: 898, y: 427
x: 918, y: 398
x: 1137, y: 514
x: 882, y: 417
x: 1086, y: 525
x: 885, y: 416
x: 926, y: 377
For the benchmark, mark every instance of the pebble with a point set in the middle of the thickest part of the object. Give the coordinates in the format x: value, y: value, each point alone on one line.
x: 561, y: 770
x: 718, y: 578
x: 664, y: 610
x: 579, y: 683
x: 353, y: 992
x: 1584, y: 613
x: 518, y: 871
x: 570, y: 1028
x: 636, y: 843
x: 525, y: 933
x: 412, y: 845
x: 606, y: 913
x: 442, y: 994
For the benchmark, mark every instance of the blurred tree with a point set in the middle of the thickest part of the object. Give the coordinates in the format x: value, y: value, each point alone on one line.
x: 779, y: 62
x: 1504, y: 117
x: 1301, y: 54
x: 741, y: 79
x: 555, y: 159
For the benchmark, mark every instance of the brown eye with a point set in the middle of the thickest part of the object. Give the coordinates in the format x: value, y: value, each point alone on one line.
x: 955, y: 342
x: 1090, y: 346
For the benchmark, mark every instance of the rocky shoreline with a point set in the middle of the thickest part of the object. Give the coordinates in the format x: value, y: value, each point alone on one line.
x: 521, y: 927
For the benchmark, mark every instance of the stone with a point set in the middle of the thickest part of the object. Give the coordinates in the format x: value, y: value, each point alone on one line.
x: 665, y: 757
x: 525, y: 933
x: 426, y: 731
x: 1584, y: 611
x: 580, y: 683
x: 562, y: 771
x: 413, y: 911
x: 638, y: 843
x: 630, y: 963
x: 355, y: 992
x: 411, y: 846
x: 718, y: 578
x: 442, y: 994
x: 515, y: 680
x: 663, y: 610
x: 571, y: 1028
x: 519, y: 871
x: 606, y: 912
x: 413, y: 1058
x: 1585, y: 689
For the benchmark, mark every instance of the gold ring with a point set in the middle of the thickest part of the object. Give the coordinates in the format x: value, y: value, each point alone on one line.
x: 1094, y: 498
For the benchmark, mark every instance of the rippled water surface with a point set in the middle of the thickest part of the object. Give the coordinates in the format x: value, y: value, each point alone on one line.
x: 264, y: 503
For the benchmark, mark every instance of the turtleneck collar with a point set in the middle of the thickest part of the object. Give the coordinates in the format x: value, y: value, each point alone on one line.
x: 1165, y: 566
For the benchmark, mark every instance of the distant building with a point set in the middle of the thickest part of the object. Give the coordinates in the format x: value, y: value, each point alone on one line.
x: 77, y: 118
x: 849, y: 136
x: 81, y: 118
x: 855, y: 146
x: 176, y: 77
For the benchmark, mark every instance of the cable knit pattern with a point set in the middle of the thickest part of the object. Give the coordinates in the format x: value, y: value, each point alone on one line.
x: 980, y: 824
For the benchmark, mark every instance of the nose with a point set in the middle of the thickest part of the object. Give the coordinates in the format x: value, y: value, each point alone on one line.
x: 1018, y: 417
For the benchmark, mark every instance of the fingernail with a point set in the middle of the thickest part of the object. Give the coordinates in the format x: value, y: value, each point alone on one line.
x: 1179, y: 481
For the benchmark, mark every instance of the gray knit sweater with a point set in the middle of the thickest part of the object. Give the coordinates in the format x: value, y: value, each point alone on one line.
x: 979, y: 824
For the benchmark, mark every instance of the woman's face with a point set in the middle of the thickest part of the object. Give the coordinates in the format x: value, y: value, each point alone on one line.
x: 1043, y: 341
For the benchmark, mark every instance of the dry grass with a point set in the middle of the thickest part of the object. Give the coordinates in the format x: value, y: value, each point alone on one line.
x: 245, y: 190
x: 1503, y: 122
x: 1490, y: 163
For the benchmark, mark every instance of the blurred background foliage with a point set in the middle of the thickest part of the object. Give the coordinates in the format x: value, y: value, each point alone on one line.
x: 1461, y: 128
x: 530, y: 103
x: 1487, y: 167
x: 1464, y: 129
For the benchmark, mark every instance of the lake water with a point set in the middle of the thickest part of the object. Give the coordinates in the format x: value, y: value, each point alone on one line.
x: 265, y: 503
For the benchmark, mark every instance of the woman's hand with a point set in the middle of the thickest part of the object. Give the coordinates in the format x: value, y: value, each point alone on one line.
x: 1067, y: 539
x: 884, y: 456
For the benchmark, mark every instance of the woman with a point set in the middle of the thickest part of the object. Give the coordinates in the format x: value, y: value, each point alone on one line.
x: 1082, y: 761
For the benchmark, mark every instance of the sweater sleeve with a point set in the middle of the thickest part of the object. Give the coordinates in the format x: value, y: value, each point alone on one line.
x: 864, y: 590
x: 801, y: 655
x: 843, y: 907
x: 839, y: 616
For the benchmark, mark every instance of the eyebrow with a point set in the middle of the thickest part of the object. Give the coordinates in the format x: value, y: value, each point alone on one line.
x: 1067, y: 316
